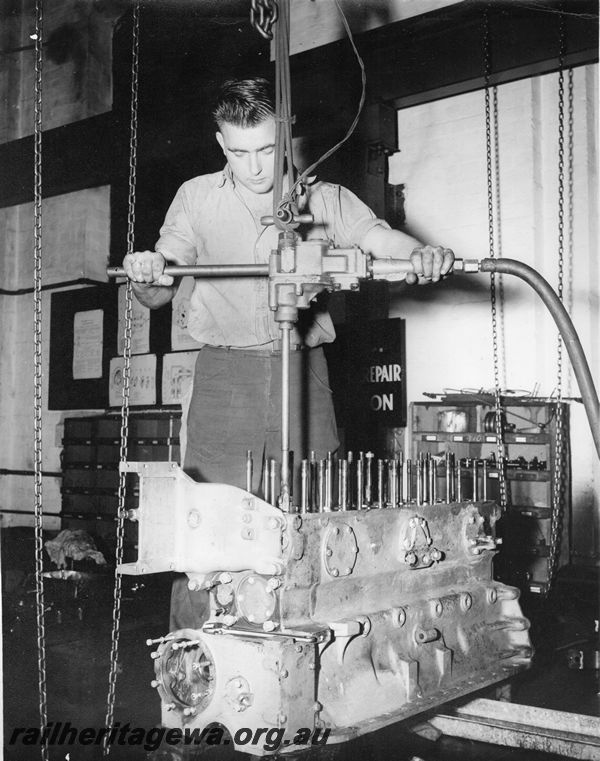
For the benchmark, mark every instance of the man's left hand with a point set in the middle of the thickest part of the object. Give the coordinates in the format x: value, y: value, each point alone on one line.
x: 430, y: 264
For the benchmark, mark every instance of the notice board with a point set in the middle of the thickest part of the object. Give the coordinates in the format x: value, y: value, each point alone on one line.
x: 367, y: 369
x: 86, y: 336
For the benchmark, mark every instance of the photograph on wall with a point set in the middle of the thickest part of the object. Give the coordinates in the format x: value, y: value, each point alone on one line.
x: 87, y: 344
x: 142, y: 380
x: 177, y: 375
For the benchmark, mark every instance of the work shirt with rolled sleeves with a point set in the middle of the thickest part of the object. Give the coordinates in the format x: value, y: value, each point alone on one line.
x: 209, y: 222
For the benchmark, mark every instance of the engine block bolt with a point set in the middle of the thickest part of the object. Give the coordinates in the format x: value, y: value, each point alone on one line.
x: 170, y: 706
x: 347, y: 571
x: 269, y: 626
x: 189, y: 711
x: 273, y: 584
x: 466, y: 601
x: 317, y: 706
x: 329, y: 552
x: 154, y: 683
x: 155, y: 655
x: 225, y: 577
x: 273, y: 523
x: 436, y: 555
x: 335, y: 572
x: 398, y: 617
x: 193, y: 585
x: 284, y: 673
x: 411, y: 558
x: 299, y: 648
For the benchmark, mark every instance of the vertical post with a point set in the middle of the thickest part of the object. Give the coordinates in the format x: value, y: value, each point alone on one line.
x: 284, y: 498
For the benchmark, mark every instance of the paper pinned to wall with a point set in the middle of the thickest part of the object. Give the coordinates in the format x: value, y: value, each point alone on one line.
x: 140, y: 325
x: 87, y: 344
x: 180, y: 337
x: 142, y: 380
x: 177, y: 375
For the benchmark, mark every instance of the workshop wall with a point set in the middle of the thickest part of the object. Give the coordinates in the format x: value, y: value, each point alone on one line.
x: 77, y: 63
x: 442, y: 164
x: 76, y: 231
x: 77, y: 83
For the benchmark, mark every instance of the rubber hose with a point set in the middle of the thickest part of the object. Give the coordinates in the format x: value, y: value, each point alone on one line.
x: 566, y: 329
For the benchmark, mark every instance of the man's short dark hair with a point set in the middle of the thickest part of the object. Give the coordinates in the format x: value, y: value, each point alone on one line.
x: 244, y: 102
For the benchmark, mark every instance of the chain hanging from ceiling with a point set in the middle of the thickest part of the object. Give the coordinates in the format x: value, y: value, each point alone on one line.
x: 496, y: 294
x: 560, y: 450
x: 124, y: 432
x: 37, y: 381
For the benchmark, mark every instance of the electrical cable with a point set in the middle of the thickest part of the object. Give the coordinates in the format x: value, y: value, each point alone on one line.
x: 307, y: 172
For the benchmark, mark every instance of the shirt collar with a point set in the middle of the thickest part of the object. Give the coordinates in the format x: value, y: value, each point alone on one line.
x: 226, y: 176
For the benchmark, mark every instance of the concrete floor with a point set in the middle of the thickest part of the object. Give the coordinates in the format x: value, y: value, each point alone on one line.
x: 78, y: 654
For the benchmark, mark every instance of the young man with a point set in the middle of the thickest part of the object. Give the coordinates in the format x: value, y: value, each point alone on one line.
x: 215, y: 219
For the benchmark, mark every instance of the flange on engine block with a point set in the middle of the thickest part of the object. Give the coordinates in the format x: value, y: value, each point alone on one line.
x: 344, y: 621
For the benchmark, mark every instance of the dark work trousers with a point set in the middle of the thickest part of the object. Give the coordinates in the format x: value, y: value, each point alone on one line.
x: 236, y: 407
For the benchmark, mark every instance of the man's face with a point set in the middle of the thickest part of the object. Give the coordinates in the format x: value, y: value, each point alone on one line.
x: 250, y: 153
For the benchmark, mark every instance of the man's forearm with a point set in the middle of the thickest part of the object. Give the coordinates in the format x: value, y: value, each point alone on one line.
x: 154, y: 296
x: 383, y: 242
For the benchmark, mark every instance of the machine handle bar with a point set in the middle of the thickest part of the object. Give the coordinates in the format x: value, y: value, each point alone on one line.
x: 379, y: 267
x: 205, y: 270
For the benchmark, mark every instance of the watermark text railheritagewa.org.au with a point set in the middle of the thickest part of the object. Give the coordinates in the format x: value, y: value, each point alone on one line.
x: 63, y: 733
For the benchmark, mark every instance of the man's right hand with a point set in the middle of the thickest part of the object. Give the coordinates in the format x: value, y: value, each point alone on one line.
x: 146, y: 267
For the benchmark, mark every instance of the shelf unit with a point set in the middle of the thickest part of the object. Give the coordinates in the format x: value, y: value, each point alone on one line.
x: 90, y: 470
x: 464, y: 424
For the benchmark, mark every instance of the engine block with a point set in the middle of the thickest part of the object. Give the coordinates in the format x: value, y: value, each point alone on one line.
x: 342, y: 620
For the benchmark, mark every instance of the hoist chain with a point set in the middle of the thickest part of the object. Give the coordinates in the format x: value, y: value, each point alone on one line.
x: 263, y: 14
x: 37, y: 380
x: 122, y: 492
x: 489, y: 130
x: 558, y: 476
x: 568, y: 297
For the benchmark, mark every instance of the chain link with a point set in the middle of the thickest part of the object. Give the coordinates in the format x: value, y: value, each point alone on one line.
x: 499, y: 416
x: 558, y: 479
x: 263, y: 14
x: 124, y: 433
x: 37, y: 381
